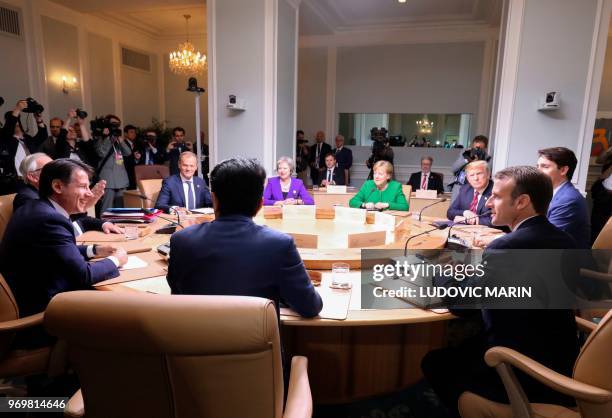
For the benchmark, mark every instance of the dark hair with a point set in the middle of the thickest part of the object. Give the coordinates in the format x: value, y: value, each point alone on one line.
x: 561, y: 156
x: 111, y: 116
x: 126, y: 128
x: 238, y: 186
x: 299, y: 132
x: 330, y: 154
x: 532, y: 182
x: 481, y: 138
x: 60, y: 169
x: 178, y: 128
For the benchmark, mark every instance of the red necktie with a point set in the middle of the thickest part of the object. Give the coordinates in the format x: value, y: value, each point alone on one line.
x: 424, y: 182
x: 474, y: 203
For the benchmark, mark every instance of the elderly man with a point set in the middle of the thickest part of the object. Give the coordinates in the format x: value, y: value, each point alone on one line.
x: 344, y: 157
x: 470, y: 204
x: 425, y: 179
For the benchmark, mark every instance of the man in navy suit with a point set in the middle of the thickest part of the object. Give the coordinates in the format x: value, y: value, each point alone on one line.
x: 519, y: 200
x: 332, y: 175
x: 184, y: 191
x: 318, y: 151
x: 568, y: 208
x: 39, y: 257
x: 233, y: 255
x: 344, y: 157
x: 425, y: 179
x: 470, y: 204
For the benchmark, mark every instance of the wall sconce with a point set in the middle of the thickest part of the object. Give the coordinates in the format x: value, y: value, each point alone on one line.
x: 68, y: 83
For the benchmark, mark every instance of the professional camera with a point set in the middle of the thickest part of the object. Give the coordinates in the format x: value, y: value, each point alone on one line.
x: 99, y: 124
x: 33, y: 106
x: 476, y: 154
x: 81, y: 114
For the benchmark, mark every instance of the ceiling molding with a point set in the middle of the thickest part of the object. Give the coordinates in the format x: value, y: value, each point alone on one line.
x: 321, y: 13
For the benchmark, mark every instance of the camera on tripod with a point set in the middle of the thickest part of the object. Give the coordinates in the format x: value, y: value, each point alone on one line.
x: 33, y: 106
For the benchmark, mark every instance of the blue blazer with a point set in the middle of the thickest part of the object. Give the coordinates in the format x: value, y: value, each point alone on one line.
x: 39, y: 257
x: 234, y: 256
x: 172, y: 193
x: 464, y: 200
x: 273, y: 192
x: 568, y: 212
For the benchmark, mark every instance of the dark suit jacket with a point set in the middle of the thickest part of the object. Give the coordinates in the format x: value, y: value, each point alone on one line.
x: 568, y: 212
x: 344, y: 158
x: 234, y: 256
x: 325, y: 149
x: 154, y: 158
x: 434, y: 182
x: 337, y: 177
x: 39, y: 257
x: 173, y: 157
x: 172, y: 193
x: 28, y: 193
x: 9, y: 144
x: 464, y: 199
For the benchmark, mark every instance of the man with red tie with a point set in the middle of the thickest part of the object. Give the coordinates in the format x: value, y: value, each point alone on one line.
x: 470, y: 204
x: 425, y: 179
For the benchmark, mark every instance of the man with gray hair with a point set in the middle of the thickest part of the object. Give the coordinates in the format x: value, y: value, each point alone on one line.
x: 344, y: 157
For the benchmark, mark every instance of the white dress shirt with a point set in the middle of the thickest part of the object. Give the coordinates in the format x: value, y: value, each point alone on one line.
x: 21, y: 153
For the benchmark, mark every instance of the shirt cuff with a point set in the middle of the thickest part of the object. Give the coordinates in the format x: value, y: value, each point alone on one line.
x: 90, y: 251
x: 114, y: 260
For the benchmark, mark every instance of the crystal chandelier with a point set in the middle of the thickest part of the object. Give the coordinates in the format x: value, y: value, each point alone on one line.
x: 187, y: 61
x: 425, y: 125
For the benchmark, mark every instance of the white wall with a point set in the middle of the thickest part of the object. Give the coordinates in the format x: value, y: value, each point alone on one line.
x: 101, y: 83
x: 605, y: 94
x: 139, y: 91
x: 286, y: 91
x: 312, y: 81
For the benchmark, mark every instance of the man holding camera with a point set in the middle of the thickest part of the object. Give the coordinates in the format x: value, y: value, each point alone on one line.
x: 15, y: 144
x: 148, y: 153
x: 112, y: 150
x: 477, y: 152
x: 69, y: 145
x: 176, y: 147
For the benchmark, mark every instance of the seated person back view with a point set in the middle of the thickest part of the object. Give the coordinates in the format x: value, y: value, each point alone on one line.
x: 234, y: 256
x: 184, y: 191
x: 568, y: 208
x: 284, y: 189
x: 382, y: 192
x: 38, y: 254
x: 470, y: 204
x: 332, y: 174
x: 426, y: 179
x: 30, y: 169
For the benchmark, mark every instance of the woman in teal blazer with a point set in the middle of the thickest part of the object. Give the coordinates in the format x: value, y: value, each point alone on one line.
x: 382, y: 192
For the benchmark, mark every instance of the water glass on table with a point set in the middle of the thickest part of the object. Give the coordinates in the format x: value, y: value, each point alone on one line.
x: 340, y: 276
x: 131, y: 232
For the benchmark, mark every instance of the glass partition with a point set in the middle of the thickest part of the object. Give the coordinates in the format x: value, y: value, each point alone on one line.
x: 450, y: 130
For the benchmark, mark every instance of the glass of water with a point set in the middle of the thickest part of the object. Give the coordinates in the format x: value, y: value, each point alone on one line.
x: 340, y: 276
x: 131, y: 232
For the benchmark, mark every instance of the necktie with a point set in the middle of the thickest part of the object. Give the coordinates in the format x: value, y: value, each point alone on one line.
x: 317, y: 156
x: 474, y: 203
x: 329, y: 176
x: 190, y: 198
x: 424, y: 182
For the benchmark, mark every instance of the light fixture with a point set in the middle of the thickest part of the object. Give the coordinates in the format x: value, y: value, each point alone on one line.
x: 68, y: 83
x: 186, y: 60
x: 425, y: 125
x: 401, y: 1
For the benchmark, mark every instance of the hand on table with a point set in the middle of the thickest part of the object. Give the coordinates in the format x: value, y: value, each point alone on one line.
x: 369, y: 205
x: 105, y: 251
x: 470, y: 217
x: 381, y: 205
x: 121, y: 256
x: 111, y: 228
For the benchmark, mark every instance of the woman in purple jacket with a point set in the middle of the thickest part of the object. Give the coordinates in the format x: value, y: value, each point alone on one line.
x: 284, y: 189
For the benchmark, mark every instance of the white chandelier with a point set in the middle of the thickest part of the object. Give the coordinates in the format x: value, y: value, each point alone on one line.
x: 187, y: 61
x: 424, y: 125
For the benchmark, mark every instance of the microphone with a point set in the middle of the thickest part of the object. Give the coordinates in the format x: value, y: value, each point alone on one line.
x: 456, y: 241
x: 437, y: 228
x: 170, y: 229
x: 430, y: 205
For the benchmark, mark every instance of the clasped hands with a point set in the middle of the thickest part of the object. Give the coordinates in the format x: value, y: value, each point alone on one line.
x: 377, y: 205
x: 468, y: 217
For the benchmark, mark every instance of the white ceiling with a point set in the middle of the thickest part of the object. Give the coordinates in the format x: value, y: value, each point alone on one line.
x: 321, y: 17
x: 157, y: 18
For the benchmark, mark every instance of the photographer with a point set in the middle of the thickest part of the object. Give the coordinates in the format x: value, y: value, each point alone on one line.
x: 69, y: 145
x: 477, y: 152
x: 148, y: 153
x: 177, y: 146
x: 15, y: 144
x: 112, y: 149
x: 130, y: 136
x: 301, y: 155
x: 381, y: 149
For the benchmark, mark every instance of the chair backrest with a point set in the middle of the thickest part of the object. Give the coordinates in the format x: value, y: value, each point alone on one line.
x: 604, y: 239
x: 6, y: 211
x: 407, y: 189
x: 8, y: 312
x: 171, y: 355
x: 146, y: 172
x: 150, y: 188
x: 594, y: 367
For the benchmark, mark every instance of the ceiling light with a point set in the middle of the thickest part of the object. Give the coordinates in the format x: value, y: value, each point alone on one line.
x: 187, y: 61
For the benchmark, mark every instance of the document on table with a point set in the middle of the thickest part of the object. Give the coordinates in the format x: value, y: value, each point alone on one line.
x: 133, y: 262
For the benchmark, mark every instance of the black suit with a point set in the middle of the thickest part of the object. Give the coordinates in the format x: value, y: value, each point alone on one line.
x: 464, y: 199
x: 129, y: 162
x: 314, y: 173
x: 434, y: 182
x: 337, y: 176
x: 547, y: 336
x: 84, y: 149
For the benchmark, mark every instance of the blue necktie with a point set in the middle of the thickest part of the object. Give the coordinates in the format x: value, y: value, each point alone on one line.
x: 190, y: 199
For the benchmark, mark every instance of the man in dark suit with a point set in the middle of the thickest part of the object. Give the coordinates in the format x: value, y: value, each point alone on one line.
x: 344, y: 157
x: 130, y: 135
x: 568, y: 208
x: 470, y: 204
x: 519, y: 200
x: 176, y: 147
x: 149, y: 153
x: 233, y: 255
x: 317, y: 157
x: 39, y: 257
x: 184, y: 191
x: 332, y: 174
x: 425, y: 179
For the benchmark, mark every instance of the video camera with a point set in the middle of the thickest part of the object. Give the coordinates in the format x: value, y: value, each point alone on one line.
x: 99, y: 124
x: 33, y: 106
x: 476, y: 154
x: 81, y: 114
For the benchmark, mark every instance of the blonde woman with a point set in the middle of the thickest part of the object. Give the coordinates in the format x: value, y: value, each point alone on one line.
x: 382, y: 192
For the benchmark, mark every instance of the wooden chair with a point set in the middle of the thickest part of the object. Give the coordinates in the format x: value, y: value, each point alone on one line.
x: 407, y: 189
x: 6, y: 211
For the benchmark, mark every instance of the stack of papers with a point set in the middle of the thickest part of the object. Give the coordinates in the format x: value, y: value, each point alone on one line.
x: 130, y: 215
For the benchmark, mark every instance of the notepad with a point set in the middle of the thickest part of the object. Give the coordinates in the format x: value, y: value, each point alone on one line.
x: 133, y: 262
